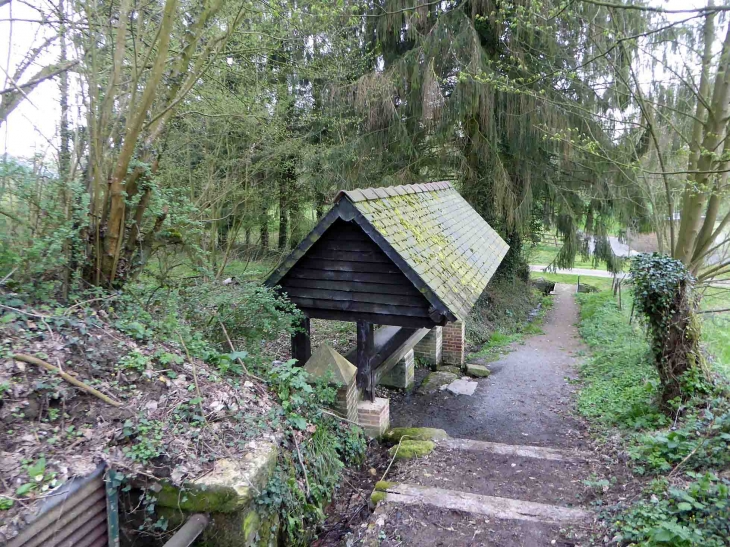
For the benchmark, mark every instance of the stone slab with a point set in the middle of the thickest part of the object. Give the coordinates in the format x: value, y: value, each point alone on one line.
x: 490, y: 506
x: 462, y: 386
x: 538, y: 452
x: 434, y: 381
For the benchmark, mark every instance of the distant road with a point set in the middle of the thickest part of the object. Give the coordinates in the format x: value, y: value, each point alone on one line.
x: 723, y: 283
x: 575, y: 271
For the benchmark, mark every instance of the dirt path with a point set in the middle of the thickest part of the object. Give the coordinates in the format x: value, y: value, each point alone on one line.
x: 468, y: 493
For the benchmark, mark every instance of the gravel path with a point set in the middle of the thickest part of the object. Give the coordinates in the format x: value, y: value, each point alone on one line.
x: 527, y: 400
x: 528, y: 397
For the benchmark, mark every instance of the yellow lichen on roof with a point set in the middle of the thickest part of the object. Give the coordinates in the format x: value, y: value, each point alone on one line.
x: 439, y: 235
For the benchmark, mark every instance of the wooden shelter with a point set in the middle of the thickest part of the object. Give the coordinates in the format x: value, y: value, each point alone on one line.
x: 413, y: 257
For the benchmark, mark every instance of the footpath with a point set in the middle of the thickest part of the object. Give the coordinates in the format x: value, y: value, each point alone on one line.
x: 510, y: 468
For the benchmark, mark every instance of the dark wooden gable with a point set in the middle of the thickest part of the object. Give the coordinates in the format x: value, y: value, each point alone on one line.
x: 345, y: 276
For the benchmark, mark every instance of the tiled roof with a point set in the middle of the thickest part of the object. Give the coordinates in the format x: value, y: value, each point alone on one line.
x: 438, y: 234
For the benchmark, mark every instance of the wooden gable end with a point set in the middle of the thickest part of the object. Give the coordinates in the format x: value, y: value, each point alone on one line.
x: 345, y: 276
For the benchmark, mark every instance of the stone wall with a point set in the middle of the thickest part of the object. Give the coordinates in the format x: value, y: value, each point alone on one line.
x: 228, y: 494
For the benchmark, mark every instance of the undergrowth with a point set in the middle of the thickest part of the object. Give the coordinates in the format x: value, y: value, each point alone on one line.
x: 200, y: 318
x: 507, y: 311
x: 685, y: 456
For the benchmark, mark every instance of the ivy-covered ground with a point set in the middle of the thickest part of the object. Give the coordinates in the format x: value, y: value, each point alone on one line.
x: 681, y: 461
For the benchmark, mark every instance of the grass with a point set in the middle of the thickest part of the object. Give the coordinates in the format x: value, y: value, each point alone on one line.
x: 544, y: 253
x: 601, y: 283
x: 716, y: 328
x: 687, y: 502
x: 620, y: 381
x: 499, y: 340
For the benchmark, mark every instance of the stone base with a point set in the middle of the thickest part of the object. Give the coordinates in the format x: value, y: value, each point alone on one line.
x: 374, y: 417
x: 428, y: 350
x: 403, y: 374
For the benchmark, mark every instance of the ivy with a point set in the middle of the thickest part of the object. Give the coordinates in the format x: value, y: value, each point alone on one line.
x: 664, y: 298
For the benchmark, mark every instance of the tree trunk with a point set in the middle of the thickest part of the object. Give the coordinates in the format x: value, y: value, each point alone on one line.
x: 697, y: 190
x: 283, y: 211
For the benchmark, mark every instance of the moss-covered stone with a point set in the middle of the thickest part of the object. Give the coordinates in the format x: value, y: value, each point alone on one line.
x: 477, y: 371
x: 384, y: 485
x: 450, y: 368
x: 377, y: 496
x: 395, y: 434
x: 251, y: 525
x: 435, y: 380
x: 411, y: 449
x: 229, y: 487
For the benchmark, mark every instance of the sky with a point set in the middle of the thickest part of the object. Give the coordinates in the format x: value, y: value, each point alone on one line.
x: 32, y: 128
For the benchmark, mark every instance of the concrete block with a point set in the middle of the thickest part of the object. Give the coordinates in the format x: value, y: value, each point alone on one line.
x: 402, y: 375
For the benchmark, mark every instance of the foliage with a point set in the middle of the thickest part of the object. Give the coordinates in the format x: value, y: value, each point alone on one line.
x: 663, y: 295
x: 620, y: 383
x: 505, y: 308
x: 687, y: 504
x: 300, y: 495
x: 696, y: 515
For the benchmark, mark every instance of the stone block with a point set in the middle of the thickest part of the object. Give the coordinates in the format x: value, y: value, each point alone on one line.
x: 411, y: 449
x: 230, y: 486
x: 374, y: 416
x: 228, y: 494
x: 429, y: 349
x: 414, y: 434
x: 434, y: 381
x: 477, y: 371
x: 403, y: 374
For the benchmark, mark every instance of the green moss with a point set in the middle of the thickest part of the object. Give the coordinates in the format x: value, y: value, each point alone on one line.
x: 251, y: 525
x: 414, y: 434
x: 411, y: 449
x: 376, y: 497
x: 382, y: 486
x: 211, y: 500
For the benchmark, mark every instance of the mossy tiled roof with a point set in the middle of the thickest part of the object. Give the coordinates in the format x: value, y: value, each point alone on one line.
x: 438, y: 234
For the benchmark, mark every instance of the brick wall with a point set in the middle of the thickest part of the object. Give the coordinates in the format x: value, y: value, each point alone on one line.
x: 346, y: 403
x: 428, y: 350
x: 374, y: 417
x: 453, y: 343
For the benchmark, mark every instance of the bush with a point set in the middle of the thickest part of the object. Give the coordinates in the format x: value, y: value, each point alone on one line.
x: 697, y: 515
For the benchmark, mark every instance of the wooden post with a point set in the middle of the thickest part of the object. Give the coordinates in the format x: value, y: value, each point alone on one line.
x: 365, y: 350
x: 301, y: 345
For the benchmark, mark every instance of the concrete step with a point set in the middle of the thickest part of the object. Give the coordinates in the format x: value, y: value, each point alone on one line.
x: 496, y: 474
x: 477, y: 504
x: 525, y: 451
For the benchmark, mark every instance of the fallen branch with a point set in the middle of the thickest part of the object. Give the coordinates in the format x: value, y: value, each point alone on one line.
x: 70, y: 379
x: 724, y: 310
x: 323, y: 411
x: 301, y: 462
x: 233, y: 350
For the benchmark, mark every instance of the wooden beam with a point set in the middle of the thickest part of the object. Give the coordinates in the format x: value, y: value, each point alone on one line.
x: 301, y: 344
x: 365, y: 351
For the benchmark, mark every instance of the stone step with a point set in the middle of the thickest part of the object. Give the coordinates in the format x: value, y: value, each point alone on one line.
x: 525, y: 451
x: 477, y: 504
x: 500, y: 473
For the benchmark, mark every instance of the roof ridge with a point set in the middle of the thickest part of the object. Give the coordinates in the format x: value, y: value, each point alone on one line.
x: 365, y: 194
